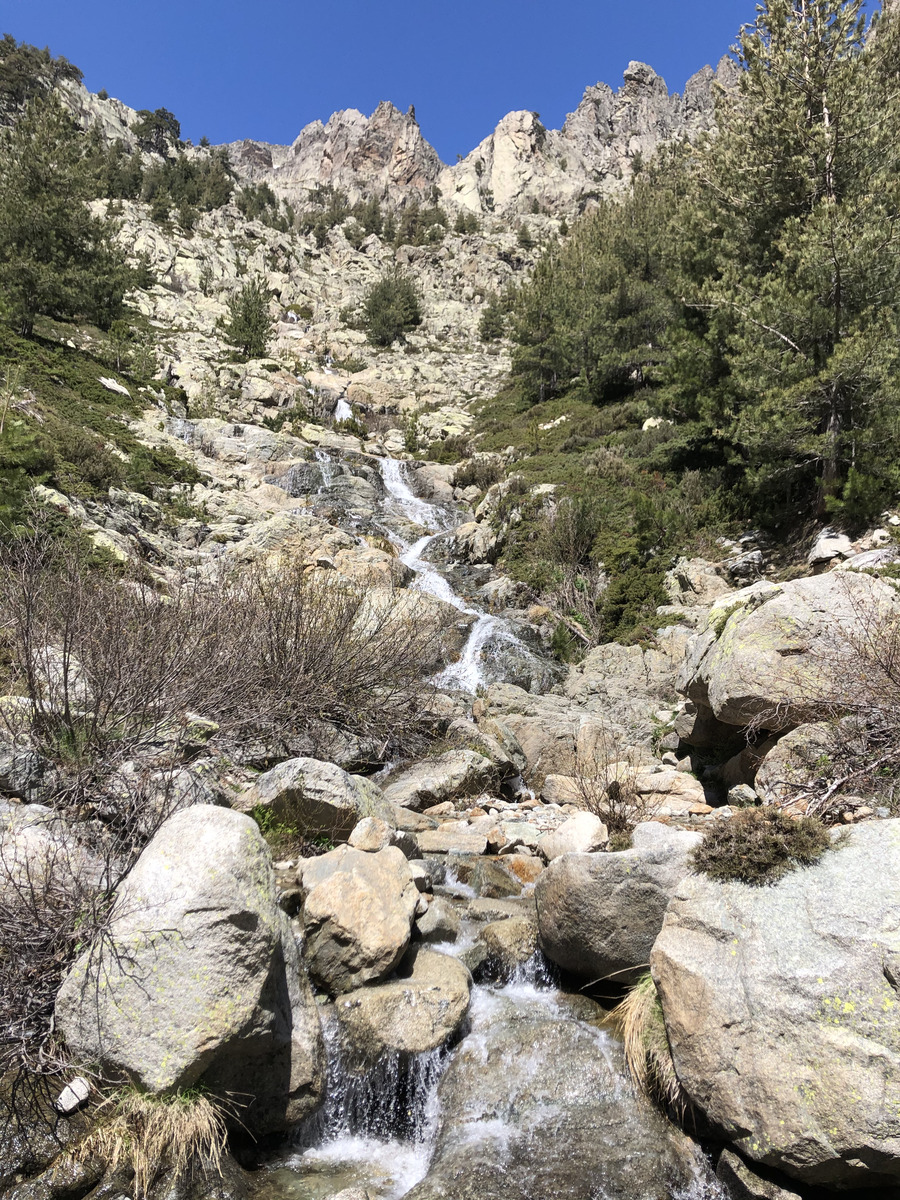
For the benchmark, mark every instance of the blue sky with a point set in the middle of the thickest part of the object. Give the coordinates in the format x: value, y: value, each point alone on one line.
x: 231, y: 69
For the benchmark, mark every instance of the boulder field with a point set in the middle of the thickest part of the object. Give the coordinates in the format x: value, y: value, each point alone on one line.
x: 222, y: 971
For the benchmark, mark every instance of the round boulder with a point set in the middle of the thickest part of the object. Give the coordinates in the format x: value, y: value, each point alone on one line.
x: 358, y: 914
x: 198, y: 978
x: 599, y: 914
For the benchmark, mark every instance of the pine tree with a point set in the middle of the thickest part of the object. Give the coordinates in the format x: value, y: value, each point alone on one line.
x: 391, y: 309
x: 56, y: 258
x: 249, y: 325
x: 792, y: 259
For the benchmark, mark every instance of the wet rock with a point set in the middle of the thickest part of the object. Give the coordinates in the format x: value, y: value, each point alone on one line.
x: 782, y: 1009
x: 441, y: 923
x: 743, y: 1184
x: 506, y: 946
x: 492, y: 880
x: 357, y: 915
x: 419, y: 1011
x: 599, y: 914
x: 199, y: 978
x: 535, y: 1104
x: 525, y: 867
x: 451, y: 841
x: 320, y: 797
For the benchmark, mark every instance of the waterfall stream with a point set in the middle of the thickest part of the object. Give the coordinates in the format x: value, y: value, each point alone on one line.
x: 383, y: 1132
x: 488, y: 632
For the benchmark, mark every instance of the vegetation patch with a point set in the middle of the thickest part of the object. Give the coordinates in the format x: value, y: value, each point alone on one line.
x: 143, y: 1134
x: 639, y: 1019
x: 760, y: 846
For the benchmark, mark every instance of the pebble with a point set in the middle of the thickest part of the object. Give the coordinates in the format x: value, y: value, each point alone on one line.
x: 73, y: 1095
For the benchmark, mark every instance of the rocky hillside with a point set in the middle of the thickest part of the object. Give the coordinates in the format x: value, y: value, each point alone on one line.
x: 520, y: 168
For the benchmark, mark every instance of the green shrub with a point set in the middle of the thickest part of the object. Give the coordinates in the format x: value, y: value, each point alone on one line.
x: 760, y: 846
x: 249, y: 325
x: 450, y: 449
x: 391, y: 309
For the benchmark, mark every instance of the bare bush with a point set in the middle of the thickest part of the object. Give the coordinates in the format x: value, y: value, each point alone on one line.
x: 851, y: 683
x: 110, y: 668
x: 606, y: 778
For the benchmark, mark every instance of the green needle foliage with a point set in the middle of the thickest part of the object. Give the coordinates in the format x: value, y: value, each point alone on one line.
x: 249, y: 325
x: 748, y: 287
x: 56, y: 258
x: 391, y: 309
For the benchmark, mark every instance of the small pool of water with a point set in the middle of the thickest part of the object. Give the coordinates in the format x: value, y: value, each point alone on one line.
x: 385, y: 1169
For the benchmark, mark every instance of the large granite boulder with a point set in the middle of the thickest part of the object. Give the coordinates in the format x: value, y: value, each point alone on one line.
x: 320, y: 797
x: 358, y: 915
x: 419, y: 1011
x: 455, y: 774
x: 198, y: 979
x: 782, y: 1006
x: 599, y: 914
x: 775, y: 652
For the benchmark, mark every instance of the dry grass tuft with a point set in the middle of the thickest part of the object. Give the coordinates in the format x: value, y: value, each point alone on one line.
x: 639, y: 1018
x: 185, y: 1133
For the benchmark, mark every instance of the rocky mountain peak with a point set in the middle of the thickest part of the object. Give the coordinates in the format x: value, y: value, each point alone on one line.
x: 520, y: 167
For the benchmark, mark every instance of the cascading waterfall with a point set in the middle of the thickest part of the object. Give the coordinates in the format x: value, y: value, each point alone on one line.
x: 468, y: 673
x: 342, y: 410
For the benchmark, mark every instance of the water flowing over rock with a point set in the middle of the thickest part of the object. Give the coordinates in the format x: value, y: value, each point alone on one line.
x: 199, y: 977
x: 599, y: 914
x: 535, y: 1103
x: 782, y: 1006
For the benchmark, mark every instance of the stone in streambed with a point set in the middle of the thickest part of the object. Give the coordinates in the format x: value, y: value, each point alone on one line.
x: 419, y: 1011
x: 599, y: 914
x: 358, y: 915
x: 319, y: 797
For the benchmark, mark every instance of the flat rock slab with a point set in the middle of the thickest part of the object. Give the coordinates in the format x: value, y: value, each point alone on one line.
x: 451, y: 841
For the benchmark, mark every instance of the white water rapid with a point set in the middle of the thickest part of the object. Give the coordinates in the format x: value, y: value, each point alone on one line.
x: 342, y: 410
x: 468, y: 673
x: 491, y: 1103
